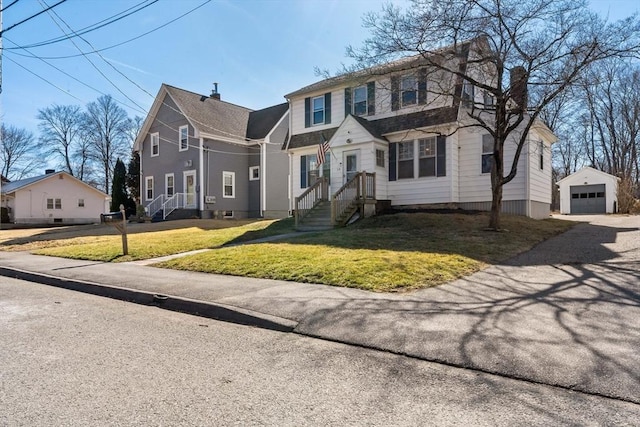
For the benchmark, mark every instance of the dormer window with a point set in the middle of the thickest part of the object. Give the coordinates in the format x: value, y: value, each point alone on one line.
x: 467, y: 95
x: 409, y: 90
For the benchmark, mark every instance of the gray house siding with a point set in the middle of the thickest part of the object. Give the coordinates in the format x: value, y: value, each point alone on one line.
x: 277, y: 174
x: 254, y: 186
x: 218, y: 158
x: 169, y: 158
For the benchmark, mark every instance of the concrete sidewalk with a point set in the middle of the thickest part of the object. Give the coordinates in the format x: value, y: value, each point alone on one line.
x: 565, y: 314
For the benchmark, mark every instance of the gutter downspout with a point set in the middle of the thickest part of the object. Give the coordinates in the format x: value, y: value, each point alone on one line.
x: 201, y: 176
x: 527, y: 178
x: 263, y: 177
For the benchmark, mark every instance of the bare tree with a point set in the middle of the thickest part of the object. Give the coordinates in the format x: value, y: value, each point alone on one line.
x: 541, y: 46
x: 106, y: 128
x: 19, y: 154
x: 60, y: 132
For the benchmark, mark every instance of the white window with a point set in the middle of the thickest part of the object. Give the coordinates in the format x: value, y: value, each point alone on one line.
x: 317, y: 113
x: 183, y: 143
x: 228, y: 214
x: 541, y: 149
x: 148, y: 188
x: 81, y: 203
x: 487, y: 153
x: 405, y: 160
x: 360, y: 101
x: 169, y: 184
x: 155, y: 144
x: 427, y: 157
x: 228, y: 185
x: 409, y: 90
x: 467, y: 94
x: 54, y: 203
x: 380, y: 158
x: 254, y: 173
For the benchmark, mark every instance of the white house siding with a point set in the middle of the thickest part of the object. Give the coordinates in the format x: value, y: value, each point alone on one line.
x: 539, y: 179
x: 382, y: 172
x: 474, y: 186
x: 30, y: 203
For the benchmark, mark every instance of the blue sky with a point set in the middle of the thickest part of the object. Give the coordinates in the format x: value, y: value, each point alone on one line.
x: 257, y: 50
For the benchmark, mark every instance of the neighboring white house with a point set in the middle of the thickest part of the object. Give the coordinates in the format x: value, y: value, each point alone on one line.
x: 53, y: 198
x: 407, y: 124
x: 588, y: 191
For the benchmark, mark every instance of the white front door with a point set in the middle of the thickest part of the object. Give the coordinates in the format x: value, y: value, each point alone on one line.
x: 190, y: 189
x: 351, y: 162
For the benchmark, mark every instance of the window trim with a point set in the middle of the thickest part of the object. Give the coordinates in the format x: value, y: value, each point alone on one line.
x: 366, y: 100
x: 402, y: 90
x: 541, y: 158
x: 233, y: 184
x: 485, y: 153
x: 148, y: 179
x: 186, y: 140
x: 412, y: 159
x: 382, y: 159
x: 81, y: 203
x: 313, y: 111
x: 251, y: 170
x: 433, y: 156
x: 155, y: 142
x: 166, y: 184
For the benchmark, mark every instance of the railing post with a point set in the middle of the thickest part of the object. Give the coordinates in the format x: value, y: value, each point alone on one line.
x: 296, y: 211
x: 363, y: 177
x: 333, y: 210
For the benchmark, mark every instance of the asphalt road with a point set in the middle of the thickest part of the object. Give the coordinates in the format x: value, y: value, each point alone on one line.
x: 68, y: 358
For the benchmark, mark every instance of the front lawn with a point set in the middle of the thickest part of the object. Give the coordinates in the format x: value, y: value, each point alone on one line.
x: 384, y: 253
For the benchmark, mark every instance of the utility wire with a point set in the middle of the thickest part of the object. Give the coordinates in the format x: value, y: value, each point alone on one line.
x: 31, y: 17
x: 132, y: 39
x: 45, y: 80
x: 103, y: 23
x: 9, y: 5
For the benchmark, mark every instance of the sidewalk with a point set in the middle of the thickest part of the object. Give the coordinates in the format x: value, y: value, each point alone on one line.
x: 571, y: 325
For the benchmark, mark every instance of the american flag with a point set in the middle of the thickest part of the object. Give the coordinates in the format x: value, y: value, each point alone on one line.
x: 323, y: 147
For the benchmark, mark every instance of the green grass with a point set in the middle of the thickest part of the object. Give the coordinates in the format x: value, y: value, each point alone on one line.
x: 384, y: 253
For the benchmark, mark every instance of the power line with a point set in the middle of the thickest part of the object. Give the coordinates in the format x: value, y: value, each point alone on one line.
x: 45, y: 80
x: 132, y: 39
x: 103, y: 23
x: 9, y: 5
x: 31, y: 17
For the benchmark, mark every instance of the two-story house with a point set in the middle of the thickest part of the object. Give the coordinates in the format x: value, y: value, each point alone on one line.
x: 403, y: 129
x: 201, y: 156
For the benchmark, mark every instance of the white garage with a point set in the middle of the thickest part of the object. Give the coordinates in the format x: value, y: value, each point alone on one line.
x: 588, y: 191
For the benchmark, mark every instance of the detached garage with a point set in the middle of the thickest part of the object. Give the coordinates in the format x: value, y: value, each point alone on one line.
x: 588, y: 191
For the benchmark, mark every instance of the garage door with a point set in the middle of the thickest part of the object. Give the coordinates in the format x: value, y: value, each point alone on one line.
x: 588, y: 199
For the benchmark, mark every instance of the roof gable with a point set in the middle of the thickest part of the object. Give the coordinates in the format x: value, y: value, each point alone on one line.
x: 261, y: 122
x: 589, y: 169
x: 14, y: 186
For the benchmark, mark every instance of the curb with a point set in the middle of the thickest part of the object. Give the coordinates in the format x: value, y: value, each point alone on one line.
x: 221, y: 312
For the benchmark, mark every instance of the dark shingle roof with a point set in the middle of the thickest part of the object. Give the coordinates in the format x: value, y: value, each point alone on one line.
x: 262, y: 121
x: 379, y: 128
x: 212, y: 116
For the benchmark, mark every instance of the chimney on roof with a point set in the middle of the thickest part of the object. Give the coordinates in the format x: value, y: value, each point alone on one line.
x: 518, y: 86
x: 214, y: 92
x: 49, y: 171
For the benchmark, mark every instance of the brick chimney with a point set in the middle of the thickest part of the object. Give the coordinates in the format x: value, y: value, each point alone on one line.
x: 214, y: 93
x: 518, y: 77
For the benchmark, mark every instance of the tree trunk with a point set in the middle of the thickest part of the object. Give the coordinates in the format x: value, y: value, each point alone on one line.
x: 496, y: 207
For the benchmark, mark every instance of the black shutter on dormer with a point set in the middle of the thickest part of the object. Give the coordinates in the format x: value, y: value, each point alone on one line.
x: 441, y: 150
x: 371, y: 98
x: 303, y: 171
x: 327, y: 108
x: 307, y: 112
x: 395, y: 93
x: 422, y: 86
x: 393, y: 150
x: 347, y: 101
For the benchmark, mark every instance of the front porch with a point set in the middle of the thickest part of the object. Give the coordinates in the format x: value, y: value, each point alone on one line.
x: 315, y: 209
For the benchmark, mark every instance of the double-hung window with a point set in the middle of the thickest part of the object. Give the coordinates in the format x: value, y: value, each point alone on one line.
x: 228, y: 185
x: 155, y: 144
x: 169, y: 184
x: 427, y: 157
x: 380, y: 158
x: 409, y: 90
x: 148, y: 188
x: 309, y: 170
x: 468, y: 94
x: 405, y: 160
x: 360, y: 101
x: 183, y: 143
x: 318, y: 110
x: 54, y: 203
x: 487, y: 153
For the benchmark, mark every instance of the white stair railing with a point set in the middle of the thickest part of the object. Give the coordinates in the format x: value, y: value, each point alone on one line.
x: 174, y: 202
x: 155, y: 205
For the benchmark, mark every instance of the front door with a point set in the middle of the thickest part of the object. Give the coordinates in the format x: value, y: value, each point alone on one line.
x: 190, y: 189
x: 351, y: 160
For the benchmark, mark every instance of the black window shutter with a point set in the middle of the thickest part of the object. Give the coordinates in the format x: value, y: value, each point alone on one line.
x: 371, y: 98
x: 347, y: 101
x: 307, y: 112
x: 393, y: 150
x: 395, y: 93
x: 441, y: 149
x: 327, y: 108
x: 422, y: 86
x: 303, y: 171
